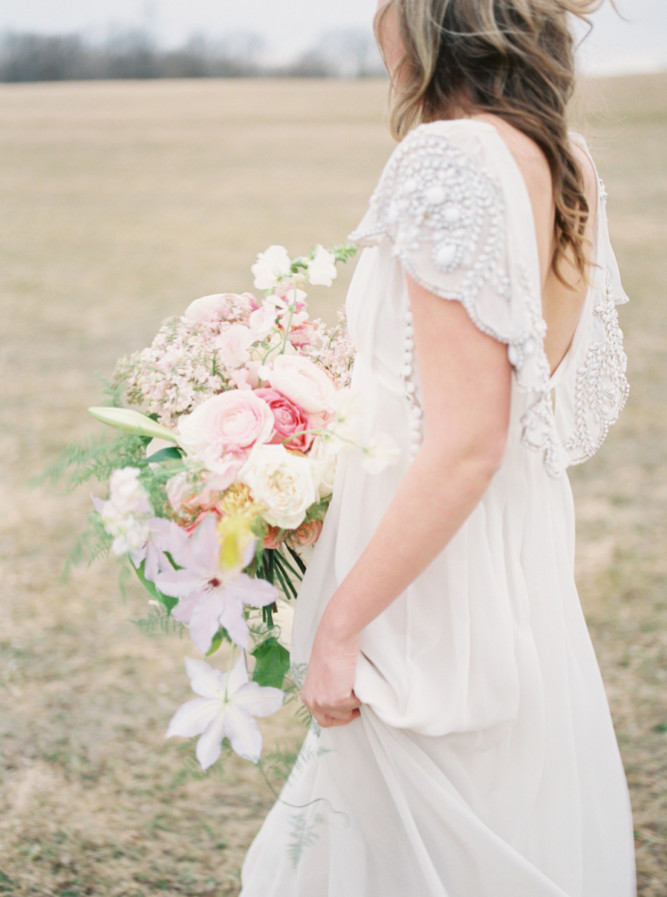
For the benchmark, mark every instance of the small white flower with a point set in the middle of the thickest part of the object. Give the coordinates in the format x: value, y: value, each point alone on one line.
x: 226, y: 709
x: 126, y: 494
x: 347, y: 415
x: 233, y: 343
x: 129, y: 533
x: 322, y: 267
x: 381, y: 452
x: 291, y: 299
x: 270, y: 267
x: 263, y: 320
x: 324, y: 453
x: 284, y: 481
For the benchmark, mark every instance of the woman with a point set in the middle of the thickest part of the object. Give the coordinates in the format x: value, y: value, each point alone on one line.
x: 464, y: 746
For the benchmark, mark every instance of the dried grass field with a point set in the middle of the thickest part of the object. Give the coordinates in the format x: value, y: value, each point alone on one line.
x: 121, y: 202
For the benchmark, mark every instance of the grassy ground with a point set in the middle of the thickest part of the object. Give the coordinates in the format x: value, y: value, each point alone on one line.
x: 122, y: 202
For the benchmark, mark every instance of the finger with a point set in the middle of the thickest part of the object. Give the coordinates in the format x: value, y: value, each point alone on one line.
x: 338, y: 712
x: 327, y: 721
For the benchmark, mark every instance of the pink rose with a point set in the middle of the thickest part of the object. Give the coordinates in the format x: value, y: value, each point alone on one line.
x: 305, y: 384
x: 307, y: 534
x: 221, y: 431
x: 289, y: 420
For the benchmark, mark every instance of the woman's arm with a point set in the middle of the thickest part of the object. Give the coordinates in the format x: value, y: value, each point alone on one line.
x: 466, y: 382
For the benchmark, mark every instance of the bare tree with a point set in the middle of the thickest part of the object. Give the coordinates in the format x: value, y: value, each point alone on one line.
x: 345, y: 53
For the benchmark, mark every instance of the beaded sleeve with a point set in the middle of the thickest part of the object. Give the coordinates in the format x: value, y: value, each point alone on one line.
x: 446, y: 214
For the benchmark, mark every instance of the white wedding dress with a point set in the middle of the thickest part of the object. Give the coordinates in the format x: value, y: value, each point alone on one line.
x: 484, y: 762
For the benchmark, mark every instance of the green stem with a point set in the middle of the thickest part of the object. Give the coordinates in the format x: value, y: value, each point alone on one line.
x: 292, y: 309
x: 232, y: 657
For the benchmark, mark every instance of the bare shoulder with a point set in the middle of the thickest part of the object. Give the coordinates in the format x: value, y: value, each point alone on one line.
x: 529, y: 157
x: 588, y: 173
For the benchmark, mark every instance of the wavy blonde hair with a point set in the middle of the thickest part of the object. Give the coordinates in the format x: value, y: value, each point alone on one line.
x: 511, y: 58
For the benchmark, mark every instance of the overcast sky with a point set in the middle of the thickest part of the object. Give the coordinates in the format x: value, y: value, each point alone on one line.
x: 290, y: 26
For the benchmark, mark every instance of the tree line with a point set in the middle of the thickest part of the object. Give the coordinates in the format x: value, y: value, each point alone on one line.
x: 26, y: 57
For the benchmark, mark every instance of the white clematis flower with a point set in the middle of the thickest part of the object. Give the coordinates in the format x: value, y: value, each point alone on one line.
x: 270, y: 267
x: 227, y: 707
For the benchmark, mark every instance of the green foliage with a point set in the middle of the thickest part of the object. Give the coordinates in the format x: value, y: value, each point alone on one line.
x: 271, y: 663
x: 95, y: 458
x: 173, y: 453
x: 282, y: 572
x: 112, y: 391
x: 93, y: 543
x: 165, y: 601
x: 190, y: 768
x: 345, y: 252
x: 221, y: 636
x: 277, y: 764
x: 158, y: 622
x: 292, y: 685
x: 303, y: 834
x: 318, y: 511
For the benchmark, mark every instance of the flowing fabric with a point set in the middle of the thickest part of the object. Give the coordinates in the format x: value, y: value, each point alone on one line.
x: 484, y: 762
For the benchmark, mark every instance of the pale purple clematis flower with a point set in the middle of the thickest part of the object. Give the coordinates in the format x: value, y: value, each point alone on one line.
x: 226, y: 709
x: 210, y: 597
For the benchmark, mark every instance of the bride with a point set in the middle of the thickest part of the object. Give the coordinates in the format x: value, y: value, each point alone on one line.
x: 462, y: 744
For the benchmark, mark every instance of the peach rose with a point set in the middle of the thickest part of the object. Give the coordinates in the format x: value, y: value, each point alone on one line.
x: 307, y: 534
x: 273, y: 539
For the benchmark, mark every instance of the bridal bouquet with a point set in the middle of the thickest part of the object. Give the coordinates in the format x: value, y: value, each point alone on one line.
x: 229, y: 427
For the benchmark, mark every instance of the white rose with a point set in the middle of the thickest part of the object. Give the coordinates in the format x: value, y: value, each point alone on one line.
x: 285, y: 482
x: 270, y: 267
x: 301, y: 381
x: 322, y: 268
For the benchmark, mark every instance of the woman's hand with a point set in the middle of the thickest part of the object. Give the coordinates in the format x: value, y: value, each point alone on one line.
x: 328, y: 691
